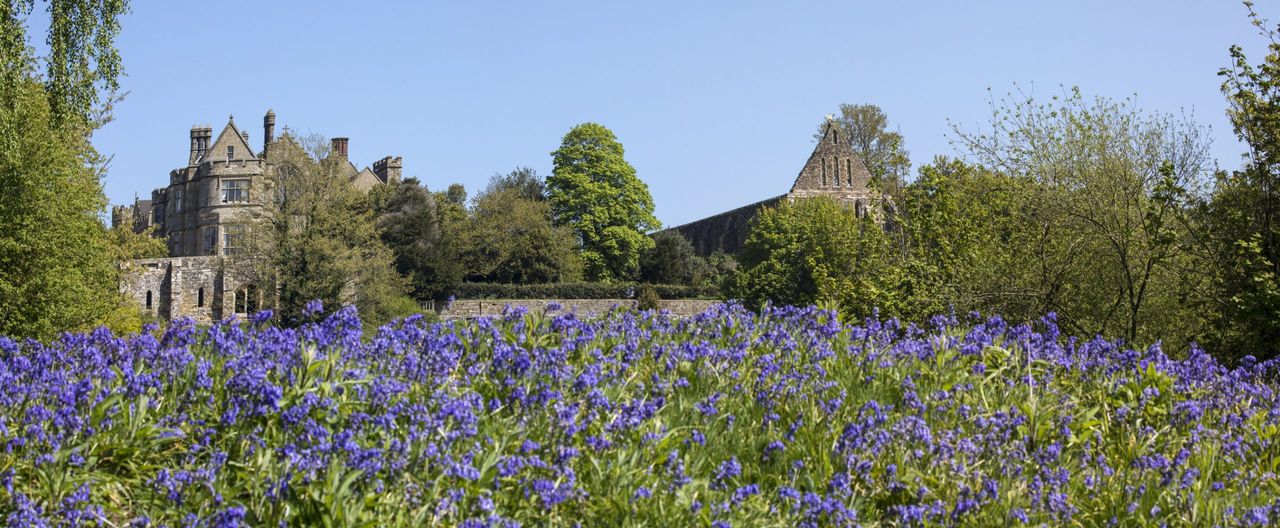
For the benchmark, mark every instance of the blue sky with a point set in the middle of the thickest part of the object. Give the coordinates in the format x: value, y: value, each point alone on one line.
x: 715, y: 102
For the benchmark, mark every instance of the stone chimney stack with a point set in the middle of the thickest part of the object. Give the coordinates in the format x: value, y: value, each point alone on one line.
x: 388, y: 169
x: 340, y: 146
x: 268, y: 130
x: 200, y: 137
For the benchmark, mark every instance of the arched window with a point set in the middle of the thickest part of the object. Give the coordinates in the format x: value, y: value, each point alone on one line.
x: 148, y: 299
x: 848, y: 170
x: 200, y: 298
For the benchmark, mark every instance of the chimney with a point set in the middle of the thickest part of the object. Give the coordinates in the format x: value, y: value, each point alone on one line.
x: 268, y: 130
x: 195, y: 145
x: 388, y: 170
x: 199, y: 142
x: 340, y: 146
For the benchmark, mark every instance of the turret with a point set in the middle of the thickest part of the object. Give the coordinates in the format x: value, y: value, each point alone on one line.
x: 388, y: 169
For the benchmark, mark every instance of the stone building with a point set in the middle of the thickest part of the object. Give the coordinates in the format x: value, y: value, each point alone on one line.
x: 203, y: 209
x: 203, y: 213
x: 833, y: 169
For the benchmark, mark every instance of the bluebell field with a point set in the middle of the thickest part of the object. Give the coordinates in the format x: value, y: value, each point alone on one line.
x: 731, y: 418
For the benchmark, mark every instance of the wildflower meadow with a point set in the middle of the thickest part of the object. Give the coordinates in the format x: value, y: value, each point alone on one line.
x: 783, y: 417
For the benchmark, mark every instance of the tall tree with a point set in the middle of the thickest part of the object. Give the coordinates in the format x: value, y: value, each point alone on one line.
x: 818, y: 250
x: 672, y: 260
x: 510, y: 238
x: 523, y: 180
x: 316, y: 237
x: 596, y: 192
x: 1112, y: 186
x: 56, y: 262
x: 425, y: 241
x: 1241, y: 220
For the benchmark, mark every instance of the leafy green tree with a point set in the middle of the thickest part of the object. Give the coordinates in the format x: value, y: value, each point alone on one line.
x: 82, y: 68
x: 1112, y: 186
x: 672, y: 260
x: 319, y: 239
x: 818, y: 250
x: 425, y: 242
x: 56, y: 261
x: 510, y: 238
x: 1241, y: 229
x: 523, y: 180
x: 594, y: 191
x: 963, y: 255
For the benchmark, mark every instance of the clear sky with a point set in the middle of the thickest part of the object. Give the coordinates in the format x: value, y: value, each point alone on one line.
x: 715, y: 102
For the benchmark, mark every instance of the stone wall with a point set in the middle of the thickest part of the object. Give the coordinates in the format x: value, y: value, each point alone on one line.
x: 473, y: 308
x: 725, y: 231
x: 195, y: 287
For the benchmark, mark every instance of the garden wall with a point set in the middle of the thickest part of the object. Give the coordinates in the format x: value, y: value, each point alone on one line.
x: 472, y: 308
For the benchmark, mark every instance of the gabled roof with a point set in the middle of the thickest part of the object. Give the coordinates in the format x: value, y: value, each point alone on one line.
x: 365, y: 180
x: 833, y: 167
x: 230, y: 136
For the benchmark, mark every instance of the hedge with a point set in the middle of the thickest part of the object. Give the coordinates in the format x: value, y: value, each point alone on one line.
x: 577, y: 290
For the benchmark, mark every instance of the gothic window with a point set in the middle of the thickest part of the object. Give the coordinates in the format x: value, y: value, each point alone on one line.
x: 210, y: 241
x: 231, y: 152
x: 836, y: 162
x: 859, y: 209
x: 824, y: 172
x: 200, y: 298
x: 148, y: 299
x: 239, y: 298
x: 848, y: 170
x: 235, y: 191
x: 232, y: 239
x: 177, y: 201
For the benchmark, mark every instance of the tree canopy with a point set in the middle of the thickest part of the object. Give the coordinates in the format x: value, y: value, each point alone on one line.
x: 595, y: 192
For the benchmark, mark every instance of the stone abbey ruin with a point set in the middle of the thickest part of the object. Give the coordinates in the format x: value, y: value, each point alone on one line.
x: 833, y: 169
x: 203, y: 211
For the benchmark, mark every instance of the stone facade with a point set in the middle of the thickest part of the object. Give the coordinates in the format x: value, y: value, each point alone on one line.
x: 203, y: 214
x: 833, y: 169
x: 195, y: 287
x: 473, y: 308
x: 206, y: 205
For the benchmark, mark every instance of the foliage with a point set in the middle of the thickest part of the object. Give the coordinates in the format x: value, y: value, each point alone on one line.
x: 1110, y: 185
x: 318, y: 238
x: 56, y: 263
x: 82, y: 63
x: 594, y: 191
x: 130, y: 245
x: 781, y: 418
x: 817, y: 249
x: 960, y: 256
x: 510, y: 238
x: 424, y: 237
x: 577, y: 290
x: 1241, y: 232
x: 523, y: 180
x: 672, y: 260
x: 56, y: 268
x: 647, y: 298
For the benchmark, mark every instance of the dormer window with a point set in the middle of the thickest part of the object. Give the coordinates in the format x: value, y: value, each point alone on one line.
x: 231, y: 152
